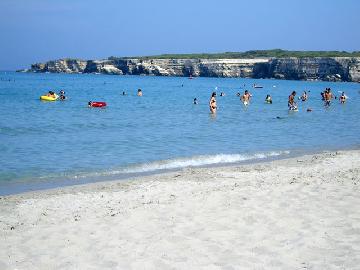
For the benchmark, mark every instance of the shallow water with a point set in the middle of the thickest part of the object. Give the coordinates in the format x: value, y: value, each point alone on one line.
x: 48, y: 142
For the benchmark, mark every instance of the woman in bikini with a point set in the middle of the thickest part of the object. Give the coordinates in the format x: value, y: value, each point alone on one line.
x: 212, y: 103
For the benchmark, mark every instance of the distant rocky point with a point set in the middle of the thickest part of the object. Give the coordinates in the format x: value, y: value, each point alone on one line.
x: 325, y: 68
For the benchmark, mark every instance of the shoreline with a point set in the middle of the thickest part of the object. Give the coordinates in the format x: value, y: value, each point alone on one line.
x: 292, y: 213
x: 20, y: 187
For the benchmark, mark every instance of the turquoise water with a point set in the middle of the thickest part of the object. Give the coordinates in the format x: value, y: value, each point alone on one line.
x: 52, y: 143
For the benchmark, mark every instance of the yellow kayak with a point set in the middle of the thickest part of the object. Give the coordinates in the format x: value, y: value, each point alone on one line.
x: 47, y: 98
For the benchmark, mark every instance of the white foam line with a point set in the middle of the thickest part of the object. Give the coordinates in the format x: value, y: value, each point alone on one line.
x: 195, y: 161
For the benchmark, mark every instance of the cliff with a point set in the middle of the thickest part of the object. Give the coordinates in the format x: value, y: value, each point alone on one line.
x: 290, y: 68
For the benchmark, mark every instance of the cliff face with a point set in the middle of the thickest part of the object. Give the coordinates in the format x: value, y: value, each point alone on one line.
x: 327, y: 69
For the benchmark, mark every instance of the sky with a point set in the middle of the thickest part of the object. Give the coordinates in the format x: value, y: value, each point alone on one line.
x: 34, y: 31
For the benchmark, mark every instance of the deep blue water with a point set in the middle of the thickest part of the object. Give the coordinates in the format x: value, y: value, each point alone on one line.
x: 45, y: 143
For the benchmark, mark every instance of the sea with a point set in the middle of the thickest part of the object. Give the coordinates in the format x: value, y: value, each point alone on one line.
x: 53, y: 144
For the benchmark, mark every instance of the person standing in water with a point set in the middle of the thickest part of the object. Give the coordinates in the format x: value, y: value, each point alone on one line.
x: 342, y: 98
x: 139, y: 93
x: 291, y: 102
x: 245, y: 98
x: 328, y: 96
x: 212, y: 103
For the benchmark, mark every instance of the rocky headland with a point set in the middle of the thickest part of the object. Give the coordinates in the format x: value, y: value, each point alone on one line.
x: 289, y: 68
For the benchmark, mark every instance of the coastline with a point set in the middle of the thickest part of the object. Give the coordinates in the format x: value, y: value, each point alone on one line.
x: 291, y: 213
x: 260, y: 67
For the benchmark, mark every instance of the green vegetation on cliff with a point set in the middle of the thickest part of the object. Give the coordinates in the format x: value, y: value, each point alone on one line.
x: 276, y: 53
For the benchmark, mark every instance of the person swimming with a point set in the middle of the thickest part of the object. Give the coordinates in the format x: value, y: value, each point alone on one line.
x: 139, y: 93
x: 268, y: 99
x: 212, y: 103
x: 304, y: 96
x: 222, y: 94
x: 195, y: 101
x: 124, y: 93
x: 291, y: 102
x: 62, y: 95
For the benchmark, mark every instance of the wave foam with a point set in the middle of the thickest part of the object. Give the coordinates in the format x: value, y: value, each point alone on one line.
x: 179, y: 163
x: 195, y: 161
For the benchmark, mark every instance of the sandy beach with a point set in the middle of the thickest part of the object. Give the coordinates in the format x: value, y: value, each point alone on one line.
x: 299, y: 213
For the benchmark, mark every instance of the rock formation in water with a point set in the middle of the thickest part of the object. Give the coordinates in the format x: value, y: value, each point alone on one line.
x: 291, y: 68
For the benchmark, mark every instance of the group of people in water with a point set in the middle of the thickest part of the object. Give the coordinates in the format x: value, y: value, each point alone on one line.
x: 139, y: 93
x: 327, y: 97
x: 61, y: 95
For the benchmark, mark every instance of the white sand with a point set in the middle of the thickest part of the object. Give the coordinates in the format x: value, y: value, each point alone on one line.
x: 301, y: 213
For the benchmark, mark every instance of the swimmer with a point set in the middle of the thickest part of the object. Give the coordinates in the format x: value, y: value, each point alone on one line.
x: 342, y: 98
x: 304, y: 96
x: 222, y: 94
x: 291, y: 102
x: 139, y: 93
x: 124, y: 93
x: 89, y: 103
x: 195, y: 101
x: 268, y: 99
x: 212, y: 103
x: 309, y: 110
x: 62, y: 95
x: 245, y: 98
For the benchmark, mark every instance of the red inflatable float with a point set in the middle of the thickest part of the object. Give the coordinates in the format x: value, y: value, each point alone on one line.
x: 98, y: 104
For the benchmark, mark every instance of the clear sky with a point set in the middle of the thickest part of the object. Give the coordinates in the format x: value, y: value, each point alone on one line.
x: 40, y: 30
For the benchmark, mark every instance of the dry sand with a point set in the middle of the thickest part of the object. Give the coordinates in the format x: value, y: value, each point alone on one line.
x: 300, y: 213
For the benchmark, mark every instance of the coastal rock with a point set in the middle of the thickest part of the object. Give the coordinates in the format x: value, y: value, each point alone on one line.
x: 60, y: 66
x: 291, y: 68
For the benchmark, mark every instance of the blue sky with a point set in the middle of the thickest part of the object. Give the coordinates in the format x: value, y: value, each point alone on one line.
x: 40, y: 30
